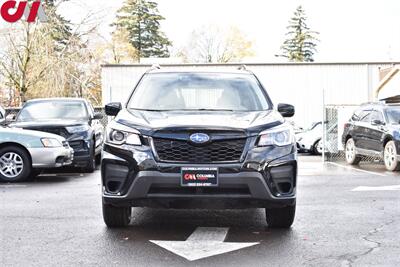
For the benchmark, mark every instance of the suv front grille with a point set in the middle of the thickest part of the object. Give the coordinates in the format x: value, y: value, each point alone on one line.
x: 77, y: 145
x: 214, y: 152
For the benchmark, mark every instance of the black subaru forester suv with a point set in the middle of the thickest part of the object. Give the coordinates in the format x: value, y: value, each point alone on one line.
x: 199, y: 140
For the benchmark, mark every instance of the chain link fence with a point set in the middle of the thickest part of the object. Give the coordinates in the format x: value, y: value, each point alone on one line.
x: 335, y: 117
x: 104, y: 121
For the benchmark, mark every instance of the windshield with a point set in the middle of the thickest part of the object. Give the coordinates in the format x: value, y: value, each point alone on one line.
x: 393, y: 115
x: 315, y: 125
x: 199, y: 91
x: 53, y: 110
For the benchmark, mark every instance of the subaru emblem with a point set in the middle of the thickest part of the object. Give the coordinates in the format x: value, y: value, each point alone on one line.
x: 199, y: 138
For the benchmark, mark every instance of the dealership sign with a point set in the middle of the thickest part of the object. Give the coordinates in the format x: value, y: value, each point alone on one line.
x: 13, y: 11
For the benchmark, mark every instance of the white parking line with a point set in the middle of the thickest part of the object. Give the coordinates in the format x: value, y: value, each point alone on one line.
x: 355, y: 169
x: 376, y: 188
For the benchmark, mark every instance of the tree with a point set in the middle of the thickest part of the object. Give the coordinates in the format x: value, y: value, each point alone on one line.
x: 300, y: 45
x: 141, y: 19
x: 23, y: 63
x: 50, y: 59
x: 60, y: 29
x: 211, y: 44
x: 121, y: 50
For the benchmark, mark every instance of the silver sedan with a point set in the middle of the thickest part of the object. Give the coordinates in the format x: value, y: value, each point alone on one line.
x: 23, y: 154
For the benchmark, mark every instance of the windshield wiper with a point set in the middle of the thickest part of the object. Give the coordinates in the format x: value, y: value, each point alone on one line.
x: 152, y: 110
x: 208, y: 109
x: 166, y: 110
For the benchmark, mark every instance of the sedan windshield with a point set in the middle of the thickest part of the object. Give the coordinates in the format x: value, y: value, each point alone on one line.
x: 53, y: 110
x: 199, y: 91
x: 393, y: 115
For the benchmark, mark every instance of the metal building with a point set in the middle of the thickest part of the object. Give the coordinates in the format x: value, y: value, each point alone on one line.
x: 303, y: 85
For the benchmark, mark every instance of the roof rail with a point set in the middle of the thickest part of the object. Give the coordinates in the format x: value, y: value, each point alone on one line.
x: 155, y: 67
x: 373, y: 103
x: 243, y: 67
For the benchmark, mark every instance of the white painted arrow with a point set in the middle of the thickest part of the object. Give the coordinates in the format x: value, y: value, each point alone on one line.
x: 377, y: 188
x: 204, y: 242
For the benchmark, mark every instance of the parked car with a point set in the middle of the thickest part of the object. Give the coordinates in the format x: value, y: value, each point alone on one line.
x: 311, y: 139
x: 296, y: 128
x: 2, y: 115
x: 23, y: 154
x: 71, y: 118
x: 374, y: 130
x: 199, y: 140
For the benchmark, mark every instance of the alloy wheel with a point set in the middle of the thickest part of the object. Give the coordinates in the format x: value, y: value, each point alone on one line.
x: 390, y: 155
x: 350, y: 150
x: 11, y: 165
x: 320, y: 147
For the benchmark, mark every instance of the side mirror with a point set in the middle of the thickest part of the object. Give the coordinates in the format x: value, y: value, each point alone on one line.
x: 98, y: 116
x: 377, y: 123
x: 113, y: 109
x: 286, y: 110
x: 11, y: 118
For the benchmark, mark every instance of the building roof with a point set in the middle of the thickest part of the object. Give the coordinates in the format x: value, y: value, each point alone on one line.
x: 387, y: 88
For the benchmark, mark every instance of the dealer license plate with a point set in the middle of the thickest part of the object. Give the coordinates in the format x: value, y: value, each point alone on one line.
x: 199, y: 177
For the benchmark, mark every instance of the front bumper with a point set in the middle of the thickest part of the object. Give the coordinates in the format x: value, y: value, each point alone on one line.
x: 82, y: 151
x: 266, y: 178
x: 304, y: 145
x: 51, y: 157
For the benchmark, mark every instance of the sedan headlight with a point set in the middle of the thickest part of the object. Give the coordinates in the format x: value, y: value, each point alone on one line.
x: 51, y: 142
x: 281, y: 136
x: 118, y: 137
x: 77, y: 129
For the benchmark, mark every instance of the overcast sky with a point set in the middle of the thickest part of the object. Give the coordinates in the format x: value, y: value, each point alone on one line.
x: 351, y: 30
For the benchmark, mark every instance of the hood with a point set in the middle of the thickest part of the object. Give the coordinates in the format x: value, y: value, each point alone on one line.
x: 28, y: 134
x: 200, y: 119
x: 47, y: 124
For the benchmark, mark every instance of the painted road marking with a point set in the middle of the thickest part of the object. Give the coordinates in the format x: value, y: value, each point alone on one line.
x: 204, y: 242
x: 13, y: 186
x: 355, y: 169
x: 377, y: 188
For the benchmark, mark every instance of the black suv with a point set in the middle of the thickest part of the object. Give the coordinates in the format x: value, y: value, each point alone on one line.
x: 374, y: 131
x: 72, y: 118
x: 199, y: 140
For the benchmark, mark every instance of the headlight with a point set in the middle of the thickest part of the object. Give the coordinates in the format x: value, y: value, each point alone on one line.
x: 77, y: 129
x: 282, y: 136
x: 118, y: 137
x: 51, y: 142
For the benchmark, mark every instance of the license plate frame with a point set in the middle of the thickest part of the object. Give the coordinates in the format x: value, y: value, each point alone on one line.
x: 199, y: 177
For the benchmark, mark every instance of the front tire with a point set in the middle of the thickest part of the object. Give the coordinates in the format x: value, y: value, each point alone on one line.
x: 115, y: 217
x: 390, y: 157
x: 317, y: 148
x: 91, y: 167
x: 281, y: 217
x: 98, y: 159
x: 15, y: 165
x: 350, y: 152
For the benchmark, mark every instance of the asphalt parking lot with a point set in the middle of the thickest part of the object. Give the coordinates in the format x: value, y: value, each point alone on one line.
x: 345, y: 217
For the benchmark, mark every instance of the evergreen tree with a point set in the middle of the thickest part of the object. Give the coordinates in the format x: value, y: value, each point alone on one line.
x: 301, y: 42
x: 58, y: 27
x: 141, y: 19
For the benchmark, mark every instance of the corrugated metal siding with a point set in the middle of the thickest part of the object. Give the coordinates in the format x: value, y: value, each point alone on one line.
x: 299, y: 84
